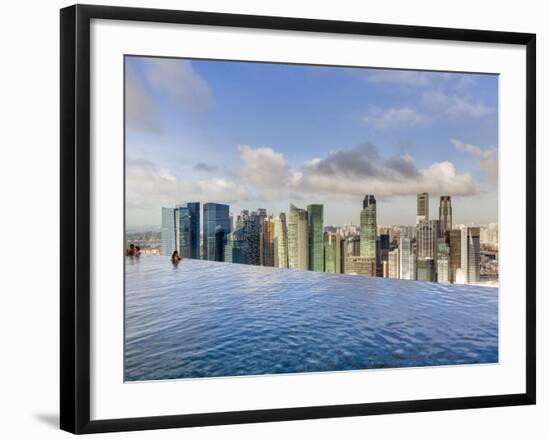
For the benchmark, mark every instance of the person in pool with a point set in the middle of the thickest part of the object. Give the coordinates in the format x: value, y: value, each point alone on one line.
x: 175, y: 257
x: 131, y: 250
x: 138, y: 251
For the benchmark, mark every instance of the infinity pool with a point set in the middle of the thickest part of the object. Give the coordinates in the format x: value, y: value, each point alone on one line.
x: 211, y: 319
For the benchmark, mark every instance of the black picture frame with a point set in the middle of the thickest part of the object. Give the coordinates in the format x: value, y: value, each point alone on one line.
x: 75, y: 217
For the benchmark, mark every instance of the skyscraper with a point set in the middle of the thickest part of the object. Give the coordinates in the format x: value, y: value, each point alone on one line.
x: 422, y: 207
x: 182, y: 223
x: 445, y: 214
x: 298, y: 243
x: 426, y: 237
x: 474, y: 257
x: 266, y: 242
x: 443, y: 261
x: 425, y: 270
x: 187, y: 229
x: 236, y: 247
x: 368, y: 228
x: 315, y: 235
x: 427, y: 232
x: 470, y: 257
x: 280, y: 241
x: 250, y: 226
x: 168, y: 239
x: 454, y: 253
x: 216, y: 225
x: 332, y: 252
x: 407, y: 262
x: 393, y: 263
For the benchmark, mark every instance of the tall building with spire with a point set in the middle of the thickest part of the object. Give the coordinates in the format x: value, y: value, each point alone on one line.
x: 445, y: 215
x: 315, y: 236
x: 422, y: 207
x: 368, y: 228
x: 298, y: 242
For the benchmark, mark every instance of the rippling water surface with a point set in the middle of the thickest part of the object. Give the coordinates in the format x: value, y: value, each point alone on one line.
x: 208, y: 319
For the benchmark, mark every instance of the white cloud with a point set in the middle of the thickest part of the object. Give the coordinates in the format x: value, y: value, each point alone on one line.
x: 454, y: 106
x: 263, y: 167
x: 266, y: 178
x: 346, y: 174
x: 149, y: 187
x: 487, y: 159
x: 396, y: 117
x: 177, y: 79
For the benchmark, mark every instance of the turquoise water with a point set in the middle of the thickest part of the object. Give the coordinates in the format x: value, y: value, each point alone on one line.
x: 211, y: 319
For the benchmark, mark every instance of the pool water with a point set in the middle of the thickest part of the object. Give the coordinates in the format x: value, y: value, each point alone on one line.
x: 212, y: 319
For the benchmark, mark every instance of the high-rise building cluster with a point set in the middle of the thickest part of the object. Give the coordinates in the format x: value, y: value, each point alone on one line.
x: 431, y: 250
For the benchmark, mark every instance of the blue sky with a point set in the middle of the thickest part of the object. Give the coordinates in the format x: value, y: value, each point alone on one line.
x: 264, y: 135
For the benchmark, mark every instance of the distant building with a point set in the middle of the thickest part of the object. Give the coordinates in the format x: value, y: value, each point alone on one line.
x: 298, y: 243
x: 250, y: 228
x: 343, y: 254
x: 267, y: 257
x: 455, y: 262
x: 236, y: 247
x: 425, y: 270
x: 422, y: 207
x: 360, y: 265
x: 354, y: 245
x: 393, y: 264
x: 384, y: 241
x: 443, y: 261
x: 315, y: 236
x: 407, y: 261
x: 168, y: 238
x: 474, y: 256
x: 332, y: 252
x: 280, y: 241
x: 215, y: 228
x: 426, y: 238
x: 470, y: 256
x: 368, y: 228
x: 445, y: 215
x: 187, y: 229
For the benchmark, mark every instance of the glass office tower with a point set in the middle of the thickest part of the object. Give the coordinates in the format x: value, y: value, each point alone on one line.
x: 187, y: 229
x: 168, y: 239
x: 368, y: 229
x: 315, y: 235
x: 215, y: 228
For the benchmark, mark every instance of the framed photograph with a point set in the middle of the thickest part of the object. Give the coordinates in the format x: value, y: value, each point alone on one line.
x: 268, y: 218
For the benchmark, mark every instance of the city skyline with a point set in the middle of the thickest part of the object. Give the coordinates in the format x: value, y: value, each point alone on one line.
x: 433, y: 250
x: 341, y: 133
